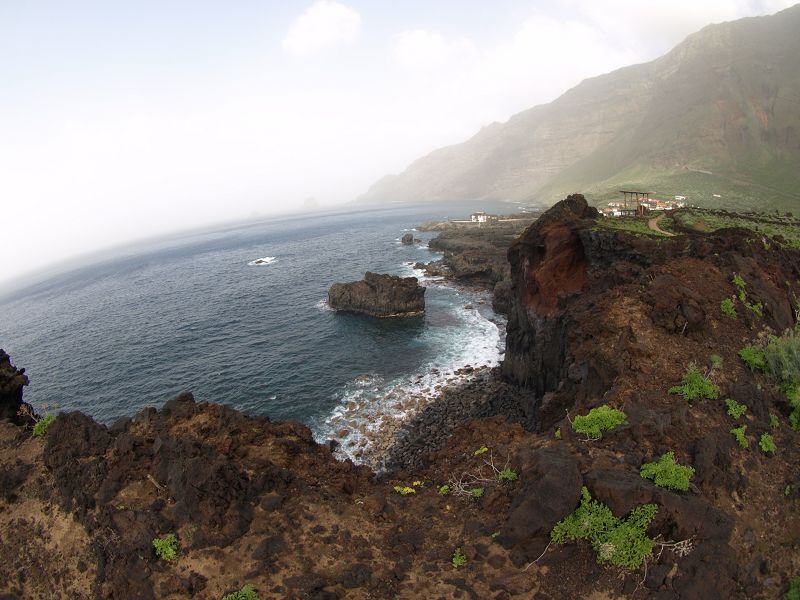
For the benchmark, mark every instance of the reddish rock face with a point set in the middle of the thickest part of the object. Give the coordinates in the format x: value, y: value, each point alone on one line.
x: 559, y: 272
x: 548, y: 266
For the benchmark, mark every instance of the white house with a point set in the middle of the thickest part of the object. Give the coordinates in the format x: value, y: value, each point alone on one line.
x: 482, y: 217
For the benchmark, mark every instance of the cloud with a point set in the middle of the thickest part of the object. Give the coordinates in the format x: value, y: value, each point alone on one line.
x: 324, y: 24
x: 657, y: 25
x: 545, y: 57
x: 420, y: 49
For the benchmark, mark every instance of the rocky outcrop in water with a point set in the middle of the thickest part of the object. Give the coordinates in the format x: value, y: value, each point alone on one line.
x: 12, y: 380
x: 379, y: 295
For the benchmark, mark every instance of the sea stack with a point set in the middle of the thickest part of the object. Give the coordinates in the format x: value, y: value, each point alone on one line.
x: 379, y: 295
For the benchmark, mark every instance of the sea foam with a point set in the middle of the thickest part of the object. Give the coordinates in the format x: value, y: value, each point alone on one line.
x: 262, y: 262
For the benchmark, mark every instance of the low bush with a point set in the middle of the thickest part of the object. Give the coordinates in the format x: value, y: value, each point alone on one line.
x: 773, y: 421
x: 739, y: 435
x: 444, y: 490
x: 40, y: 428
x: 667, y: 473
x: 695, y: 385
x: 740, y: 286
x: 767, y: 444
x: 726, y: 306
x: 507, y: 475
x: 404, y: 490
x: 248, y: 592
x: 735, y: 409
x: 621, y: 542
x: 779, y: 358
x: 476, y: 492
x: 793, y: 592
x: 756, y: 309
x: 598, y: 420
x: 481, y: 450
x: 166, y: 547
x: 459, y: 558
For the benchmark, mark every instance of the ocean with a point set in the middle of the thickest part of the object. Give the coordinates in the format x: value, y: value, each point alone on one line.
x: 200, y: 312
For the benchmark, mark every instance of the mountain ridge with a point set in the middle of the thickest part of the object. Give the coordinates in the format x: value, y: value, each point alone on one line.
x: 716, y: 114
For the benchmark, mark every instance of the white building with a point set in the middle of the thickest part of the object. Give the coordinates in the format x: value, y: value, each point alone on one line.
x: 482, y: 217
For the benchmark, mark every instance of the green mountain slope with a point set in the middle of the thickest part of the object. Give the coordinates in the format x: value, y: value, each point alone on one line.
x: 717, y: 115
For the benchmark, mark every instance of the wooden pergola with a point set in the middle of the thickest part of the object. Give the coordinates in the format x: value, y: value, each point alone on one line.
x: 630, y: 200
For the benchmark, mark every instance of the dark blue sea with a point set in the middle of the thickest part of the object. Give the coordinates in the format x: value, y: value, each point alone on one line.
x: 194, y: 313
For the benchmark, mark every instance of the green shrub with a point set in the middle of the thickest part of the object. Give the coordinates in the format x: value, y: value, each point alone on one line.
x: 756, y: 308
x: 40, y: 428
x: 794, y: 589
x: 695, y: 385
x: 739, y: 283
x: 558, y: 433
x: 598, y: 420
x: 248, y: 592
x: 507, y: 475
x: 779, y: 358
x: 667, y: 473
x: 782, y: 357
x: 773, y: 421
x: 444, y: 490
x: 404, y: 490
x: 481, y: 450
x: 459, y: 558
x: 622, y: 542
x: 753, y: 357
x: 726, y: 306
x: 739, y: 434
x: 716, y: 361
x: 735, y: 409
x: 476, y: 492
x: 166, y: 547
x: 767, y: 444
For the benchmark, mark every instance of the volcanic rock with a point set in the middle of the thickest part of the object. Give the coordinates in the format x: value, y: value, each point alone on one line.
x: 379, y: 295
x: 12, y: 380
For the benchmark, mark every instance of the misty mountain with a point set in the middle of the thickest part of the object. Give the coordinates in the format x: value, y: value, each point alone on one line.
x: 717, y: 115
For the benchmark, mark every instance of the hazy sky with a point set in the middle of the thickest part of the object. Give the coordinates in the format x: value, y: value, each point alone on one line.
x: 121, y: 120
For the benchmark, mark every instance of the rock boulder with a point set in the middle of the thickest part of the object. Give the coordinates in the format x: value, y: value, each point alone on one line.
x: 379, y: 295
x: 12, y: 380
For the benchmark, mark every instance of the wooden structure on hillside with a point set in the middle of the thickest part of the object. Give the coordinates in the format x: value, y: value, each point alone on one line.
x: 632, y: 200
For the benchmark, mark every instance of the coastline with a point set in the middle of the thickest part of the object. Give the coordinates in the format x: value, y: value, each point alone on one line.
x: 254, y: 501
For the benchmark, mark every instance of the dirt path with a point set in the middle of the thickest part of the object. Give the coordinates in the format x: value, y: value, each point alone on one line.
x: 653, y: 224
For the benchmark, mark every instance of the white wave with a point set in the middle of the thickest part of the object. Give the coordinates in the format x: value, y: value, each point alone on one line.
x: 322, y: 305
x: 367, y: 405
x: 261, y: 262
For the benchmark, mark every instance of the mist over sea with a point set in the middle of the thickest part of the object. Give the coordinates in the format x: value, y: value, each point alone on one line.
x: 196, y: 313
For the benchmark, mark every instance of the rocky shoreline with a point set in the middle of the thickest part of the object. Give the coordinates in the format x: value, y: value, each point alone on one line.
x: 597, y: 318
x: 476, y: 256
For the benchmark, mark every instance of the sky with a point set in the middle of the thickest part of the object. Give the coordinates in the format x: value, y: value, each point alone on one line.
x: 124, y: 120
